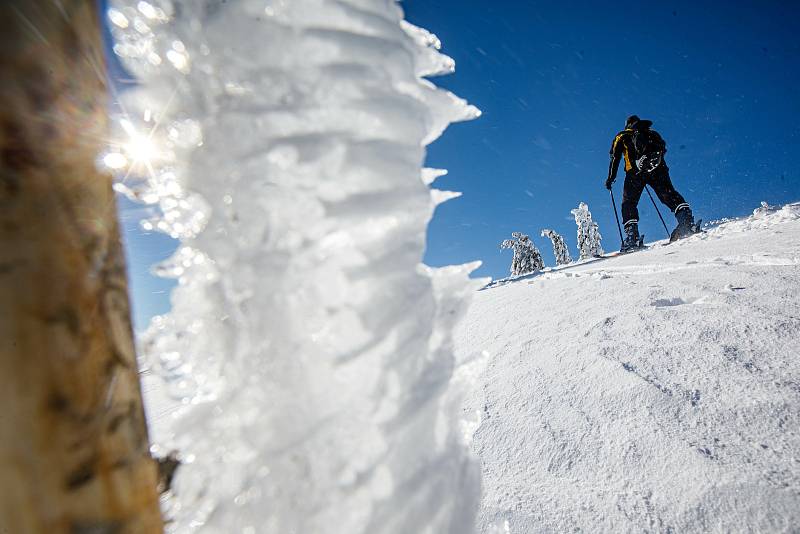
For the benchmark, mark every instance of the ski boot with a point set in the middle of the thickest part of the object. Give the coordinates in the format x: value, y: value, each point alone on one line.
x: 633, y: 241
x: 686, y: 225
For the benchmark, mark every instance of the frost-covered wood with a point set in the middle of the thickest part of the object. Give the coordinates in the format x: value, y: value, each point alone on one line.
x: 560, y: 250
x: 74, y: 454
x: 588, y: 233
x: 527, y: 258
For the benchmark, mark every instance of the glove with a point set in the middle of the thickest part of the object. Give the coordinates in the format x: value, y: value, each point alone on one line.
x: 609, y: 183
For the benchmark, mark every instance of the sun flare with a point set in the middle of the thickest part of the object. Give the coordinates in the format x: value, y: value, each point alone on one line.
x: 135, y: 152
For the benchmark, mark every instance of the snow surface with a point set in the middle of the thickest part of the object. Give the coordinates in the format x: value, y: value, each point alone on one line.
x: 652, y: 392
x: 308, y: 353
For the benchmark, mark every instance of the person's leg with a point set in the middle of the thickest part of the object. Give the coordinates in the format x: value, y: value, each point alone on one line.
x: 666, y: 192
x: 662, y: 185
x: 631, y: 193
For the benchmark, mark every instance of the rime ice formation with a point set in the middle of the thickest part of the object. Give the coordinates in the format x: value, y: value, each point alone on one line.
x: 527, y: 258
x: 764, y: 209
x: 560, y: 249
x: 588, y: 234
x: 310, y: 350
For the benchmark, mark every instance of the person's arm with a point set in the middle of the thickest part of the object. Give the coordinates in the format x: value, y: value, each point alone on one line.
x: 616, y: 156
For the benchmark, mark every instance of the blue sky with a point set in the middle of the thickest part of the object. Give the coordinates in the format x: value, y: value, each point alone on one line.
x: 149, y: 294
x: 555, y: 82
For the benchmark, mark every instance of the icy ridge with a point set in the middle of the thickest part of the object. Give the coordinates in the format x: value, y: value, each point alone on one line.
x: 283, y: 142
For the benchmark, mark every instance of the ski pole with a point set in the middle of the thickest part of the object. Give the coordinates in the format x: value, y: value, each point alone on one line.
x: 616, y: 216
x: 657, y: 211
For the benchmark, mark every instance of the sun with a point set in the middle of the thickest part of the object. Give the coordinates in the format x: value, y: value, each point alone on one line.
x: 136, y: 153
x: 140, y: 149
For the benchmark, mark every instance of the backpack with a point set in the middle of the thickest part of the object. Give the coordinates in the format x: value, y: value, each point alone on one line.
x: 650, y: 149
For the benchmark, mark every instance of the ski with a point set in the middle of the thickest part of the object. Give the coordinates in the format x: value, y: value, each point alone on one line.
x: 693, y: 230
x: 622, y: 252
x: 638, y: 246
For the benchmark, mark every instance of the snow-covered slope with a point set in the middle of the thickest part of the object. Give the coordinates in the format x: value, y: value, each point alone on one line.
x: 654, y: 392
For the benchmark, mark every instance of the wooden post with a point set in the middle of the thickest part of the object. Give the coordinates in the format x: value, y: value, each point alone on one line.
x: 74, y: 451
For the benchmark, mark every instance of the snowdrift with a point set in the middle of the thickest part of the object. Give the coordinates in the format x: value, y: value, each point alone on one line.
x: 654, y: 392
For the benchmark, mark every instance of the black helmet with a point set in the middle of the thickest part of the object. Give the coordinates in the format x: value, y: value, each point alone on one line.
x: 635, y: 123
x: 631, y: 121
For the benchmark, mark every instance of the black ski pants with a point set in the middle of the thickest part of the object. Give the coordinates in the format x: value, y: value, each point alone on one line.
x: 660, y: 182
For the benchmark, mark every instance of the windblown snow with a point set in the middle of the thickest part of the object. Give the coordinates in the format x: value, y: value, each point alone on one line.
x: 653, y: 392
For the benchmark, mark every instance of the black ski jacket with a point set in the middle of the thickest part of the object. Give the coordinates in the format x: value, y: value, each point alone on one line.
x: 622, y: 148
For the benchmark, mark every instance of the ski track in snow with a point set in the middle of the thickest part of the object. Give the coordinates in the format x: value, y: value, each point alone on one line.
x: 653, y: 392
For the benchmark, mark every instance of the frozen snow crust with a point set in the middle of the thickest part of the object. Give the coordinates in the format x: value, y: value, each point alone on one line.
x: 308, y: 349
x: 654, y: 392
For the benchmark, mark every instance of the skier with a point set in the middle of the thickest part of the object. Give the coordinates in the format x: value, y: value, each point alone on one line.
x: 643, y: 150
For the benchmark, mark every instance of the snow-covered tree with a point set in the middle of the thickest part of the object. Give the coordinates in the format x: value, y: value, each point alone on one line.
x: 560, y: 250
x: 588, y: 234
x: 527, y: 258
x: 764, y: 209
